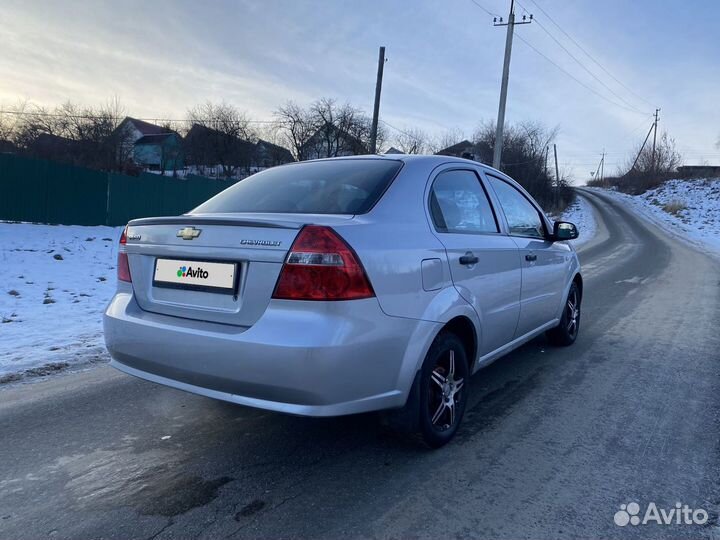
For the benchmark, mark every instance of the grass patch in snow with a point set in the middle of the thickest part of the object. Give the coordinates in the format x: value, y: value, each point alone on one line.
x: 674, y: 207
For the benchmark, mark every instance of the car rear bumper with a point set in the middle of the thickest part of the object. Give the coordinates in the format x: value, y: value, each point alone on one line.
x: 333, y: 359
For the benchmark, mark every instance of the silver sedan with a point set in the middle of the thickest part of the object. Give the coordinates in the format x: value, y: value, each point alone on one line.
x: 343, y: 286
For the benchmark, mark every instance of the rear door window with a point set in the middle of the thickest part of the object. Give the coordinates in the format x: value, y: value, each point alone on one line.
x: 459, y: 204
x: 346, y: 186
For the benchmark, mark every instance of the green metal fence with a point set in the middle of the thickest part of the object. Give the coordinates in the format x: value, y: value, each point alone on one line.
x: 42, y: 191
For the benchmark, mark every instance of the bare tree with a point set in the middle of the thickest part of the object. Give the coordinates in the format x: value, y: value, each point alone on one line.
x: 330, y: 123
x: 7, y: 130
x: 70, y: 133
x: 340, y: 129
x: 294, y: 128
x: 522, y: 143
x: 445, y: 140
x: 9, y: 121
x: 325, y: 129
x: 645, y: 169
x: 665, y: 159
x: 224, y: 118
x: 34, y: 121
x: 412, y: 141
x: 524, y: 150
x: 115, y: 141
x: 219, y: 134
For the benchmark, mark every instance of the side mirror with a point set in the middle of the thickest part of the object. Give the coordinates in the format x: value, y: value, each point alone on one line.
x: 564, y: 230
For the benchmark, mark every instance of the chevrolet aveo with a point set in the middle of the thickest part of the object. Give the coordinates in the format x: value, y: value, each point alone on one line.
x: 343, y: 286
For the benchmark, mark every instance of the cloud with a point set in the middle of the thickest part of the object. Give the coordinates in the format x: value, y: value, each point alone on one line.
x: 443, y: 69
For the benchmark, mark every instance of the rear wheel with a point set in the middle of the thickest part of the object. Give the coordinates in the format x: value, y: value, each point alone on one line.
x: 443, y: 390
x: 566, y: 332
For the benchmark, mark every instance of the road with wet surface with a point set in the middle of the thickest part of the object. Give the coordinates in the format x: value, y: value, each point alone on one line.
x: 553, y: 442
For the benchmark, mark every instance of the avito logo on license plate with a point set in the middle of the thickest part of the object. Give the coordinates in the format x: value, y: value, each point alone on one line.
x: 198, y: 275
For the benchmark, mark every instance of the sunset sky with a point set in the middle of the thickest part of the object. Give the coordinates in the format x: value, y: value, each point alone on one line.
x: 443, y: 69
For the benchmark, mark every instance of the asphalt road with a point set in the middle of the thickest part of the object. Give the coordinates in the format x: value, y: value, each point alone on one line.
x: 554, y: 440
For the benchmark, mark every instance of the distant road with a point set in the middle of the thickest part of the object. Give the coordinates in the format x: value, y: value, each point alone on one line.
x: 554, y: 441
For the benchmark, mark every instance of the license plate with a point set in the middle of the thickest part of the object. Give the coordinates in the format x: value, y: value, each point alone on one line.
x: 195, y: 275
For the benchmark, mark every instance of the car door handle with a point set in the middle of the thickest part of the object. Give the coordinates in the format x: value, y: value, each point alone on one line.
x: 530, y: 257
x: 469, y: 258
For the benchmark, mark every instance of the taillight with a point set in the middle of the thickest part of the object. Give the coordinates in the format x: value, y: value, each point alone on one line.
x: 123, y: 266
x: 322, y: 266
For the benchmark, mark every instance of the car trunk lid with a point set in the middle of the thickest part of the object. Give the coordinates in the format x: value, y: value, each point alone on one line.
x: 255, y: 244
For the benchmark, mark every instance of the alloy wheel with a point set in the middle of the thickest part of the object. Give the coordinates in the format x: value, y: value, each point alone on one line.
x: 573, y: 312
x: 445, y: 392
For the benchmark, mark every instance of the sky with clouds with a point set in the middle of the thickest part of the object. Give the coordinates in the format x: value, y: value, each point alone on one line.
x: 443, y: 69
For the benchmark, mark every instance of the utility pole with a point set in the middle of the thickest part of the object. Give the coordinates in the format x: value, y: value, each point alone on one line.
x: 596, y: 174
x: 654, y: 138
x: 642, y: 148
x: 376, y: 108
x: 602, y: 166
x: 556, y: 192
x: 547, y: 149
x: 497, y: 151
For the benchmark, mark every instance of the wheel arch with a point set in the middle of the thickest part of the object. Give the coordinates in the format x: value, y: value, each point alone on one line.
x: 577, y: 278
x: 465, y: 330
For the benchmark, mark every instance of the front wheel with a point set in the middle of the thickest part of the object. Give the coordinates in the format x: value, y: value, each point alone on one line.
x: 566, y: 332
x: 443, y: 390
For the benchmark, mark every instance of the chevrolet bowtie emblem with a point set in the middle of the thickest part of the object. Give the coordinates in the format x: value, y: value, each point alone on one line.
x: 188, y: 233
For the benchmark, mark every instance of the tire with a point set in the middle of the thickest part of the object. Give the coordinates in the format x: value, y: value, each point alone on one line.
x: 565, y: 333
x: 443, y: 390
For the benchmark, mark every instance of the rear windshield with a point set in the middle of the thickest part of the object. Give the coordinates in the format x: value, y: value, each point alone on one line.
x: 350, y: 186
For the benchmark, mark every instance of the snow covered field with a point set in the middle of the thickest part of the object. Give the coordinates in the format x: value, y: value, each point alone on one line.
x: 689, y: 209
x: 56, y: 283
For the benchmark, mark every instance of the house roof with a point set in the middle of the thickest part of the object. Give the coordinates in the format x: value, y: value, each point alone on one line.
x: 146, y: 128
x: 155, y: 139
x: 48, y: 141
x: 393, y: 150
x: 690, y: 168
x: 274, y: 148
x: 456, y: 148
x: 200, y: 131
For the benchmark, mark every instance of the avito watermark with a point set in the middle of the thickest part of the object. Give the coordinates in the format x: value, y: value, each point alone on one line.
x: 680, y: 514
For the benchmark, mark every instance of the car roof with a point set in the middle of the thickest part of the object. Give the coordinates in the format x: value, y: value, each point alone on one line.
x: 428, y: 160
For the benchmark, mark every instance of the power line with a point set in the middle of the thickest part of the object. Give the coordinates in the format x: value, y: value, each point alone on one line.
x: 485, y: 9
x: 396, y: 128
x: 577, y: 80
x: 638, y: 128
x: 589, y: 55
x: 636, y: 111
x: 580, y: 63
x: 103, y: 117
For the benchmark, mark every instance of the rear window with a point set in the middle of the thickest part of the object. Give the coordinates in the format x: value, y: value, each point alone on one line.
x: 349, y: 186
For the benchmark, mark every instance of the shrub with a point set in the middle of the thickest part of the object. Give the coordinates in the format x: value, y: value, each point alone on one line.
x: 674, y: 207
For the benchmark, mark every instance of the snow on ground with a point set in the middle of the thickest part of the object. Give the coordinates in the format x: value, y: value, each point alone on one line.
x: 581, y: 214
x: 689, y: 209
x: 57, y: 281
